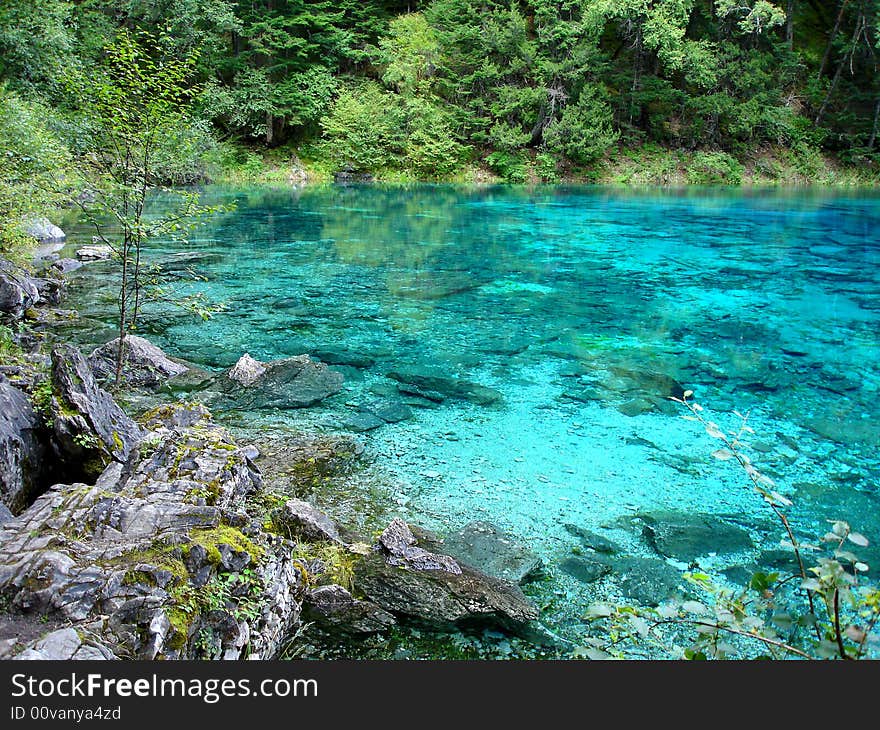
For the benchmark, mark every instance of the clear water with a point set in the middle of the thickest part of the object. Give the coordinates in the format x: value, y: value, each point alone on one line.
x: 567, y: 300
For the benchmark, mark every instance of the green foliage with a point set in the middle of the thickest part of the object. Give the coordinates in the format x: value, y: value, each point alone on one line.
x: 584, y: 132
x: 714, y: 168
x: 33, y: 167
x: 364, y: 129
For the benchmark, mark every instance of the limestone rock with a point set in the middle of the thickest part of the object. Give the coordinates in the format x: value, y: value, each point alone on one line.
x: 143, y: 366
x: 294, y: 382
x: 88, y: 423
x: 484, y: 546
x: 94, y: 253
x: 43, y: 230
x: 23, y: 463
x: 334, y: 609
x: 304, y: 520
x: 433, y: 590
x: 18, y: 292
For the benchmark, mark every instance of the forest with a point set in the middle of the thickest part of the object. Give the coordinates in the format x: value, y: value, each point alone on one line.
x: 517, y: 90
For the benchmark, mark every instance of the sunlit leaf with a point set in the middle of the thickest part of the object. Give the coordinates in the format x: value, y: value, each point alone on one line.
x: 857, y: 539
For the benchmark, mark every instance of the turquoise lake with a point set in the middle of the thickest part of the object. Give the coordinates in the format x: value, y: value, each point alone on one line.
x: 584, y: 307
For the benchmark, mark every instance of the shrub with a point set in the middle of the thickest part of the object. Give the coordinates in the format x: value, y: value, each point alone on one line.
x: 714, y: 168
x: 584, y: 132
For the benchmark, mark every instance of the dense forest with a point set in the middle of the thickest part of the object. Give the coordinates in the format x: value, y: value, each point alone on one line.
x: 698, y: 91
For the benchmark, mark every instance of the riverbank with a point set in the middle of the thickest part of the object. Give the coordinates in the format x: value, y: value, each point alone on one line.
x: 643, y: 166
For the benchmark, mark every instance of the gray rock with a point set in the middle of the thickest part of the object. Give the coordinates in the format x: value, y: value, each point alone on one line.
x: 304, y: 520
x: 361, y: 422
x: 23, y: 462
x: 87, y: 423
x: 18, y: 292
x: 143, y: 365
x: 343, y: 357
x: 647, y: 580
x: 246, y: 370
x: 43, y: 230
x: 592, y: 540
x: 585, y: 568
x: 431, y: 383
x: 5, y: 514
x: 484, y: 546
x: 334, y: 609
x: 388, y: 410
x: 107, y: 558
x: 401, y: 547
x: 685, y: 536
x: 94, y: 253
x: 443, y: 600
x: 58, y: 645
x: 294, y: 382
x: 67, y: 266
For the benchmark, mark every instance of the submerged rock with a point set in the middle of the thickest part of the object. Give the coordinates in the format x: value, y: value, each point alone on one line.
x: 436, y: 385
x: 294, y: 382
x: 143, y: 366
x: 88, y: 425
x: 592, y: 540
x: 433, y: 590
x: 362, y: 422
x: 685, y: 536
x: 23, y: 465
x: 646, y: 580
x: 585, y: 568
x: 484, y: 546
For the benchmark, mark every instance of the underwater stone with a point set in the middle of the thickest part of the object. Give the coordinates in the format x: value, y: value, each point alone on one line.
x: 585, y: 569
x: 294, y: 382
x: 484, y: 546
x: 645, y: 580
x: 592, y: 540
x: 362, y: 422
x: 684, y: 536
x: 428, y: 381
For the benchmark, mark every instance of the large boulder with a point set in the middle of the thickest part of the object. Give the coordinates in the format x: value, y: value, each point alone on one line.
x: 433, y: 590
x: 18, y: 292
x: 437, y: 385
x: 143, y: 364
x: 491, y: 550
x: 43, y: 230
x: 294, y: 382
x: 333, y: 609
x: 89, y: 428
x: 157, y: 559
x: 23, y: 464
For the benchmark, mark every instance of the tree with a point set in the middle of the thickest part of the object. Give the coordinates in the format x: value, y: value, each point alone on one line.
x: 139, y: 91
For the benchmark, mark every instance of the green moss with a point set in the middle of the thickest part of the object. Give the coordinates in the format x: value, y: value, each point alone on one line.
x: 339, y: 563
x: 211, y: 539
x: 134, y: 577
x: 180, y: 624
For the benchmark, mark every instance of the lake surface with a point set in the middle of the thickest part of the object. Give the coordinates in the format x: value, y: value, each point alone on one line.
x: 584, y: 307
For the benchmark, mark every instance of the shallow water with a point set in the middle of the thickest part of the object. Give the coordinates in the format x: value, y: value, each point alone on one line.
x: 578, y: 304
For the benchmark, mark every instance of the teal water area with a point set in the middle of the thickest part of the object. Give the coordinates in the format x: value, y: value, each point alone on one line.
x: 585, y: 308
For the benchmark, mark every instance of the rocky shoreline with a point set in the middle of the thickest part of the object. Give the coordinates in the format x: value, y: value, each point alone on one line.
x: 158, y: 539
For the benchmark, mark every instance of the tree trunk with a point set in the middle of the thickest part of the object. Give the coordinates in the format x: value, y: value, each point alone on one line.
x: 789, y: 24
x: 831, y: 39
x: 844, y: 61
x: 873, y: 138
x: 123, y: 312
